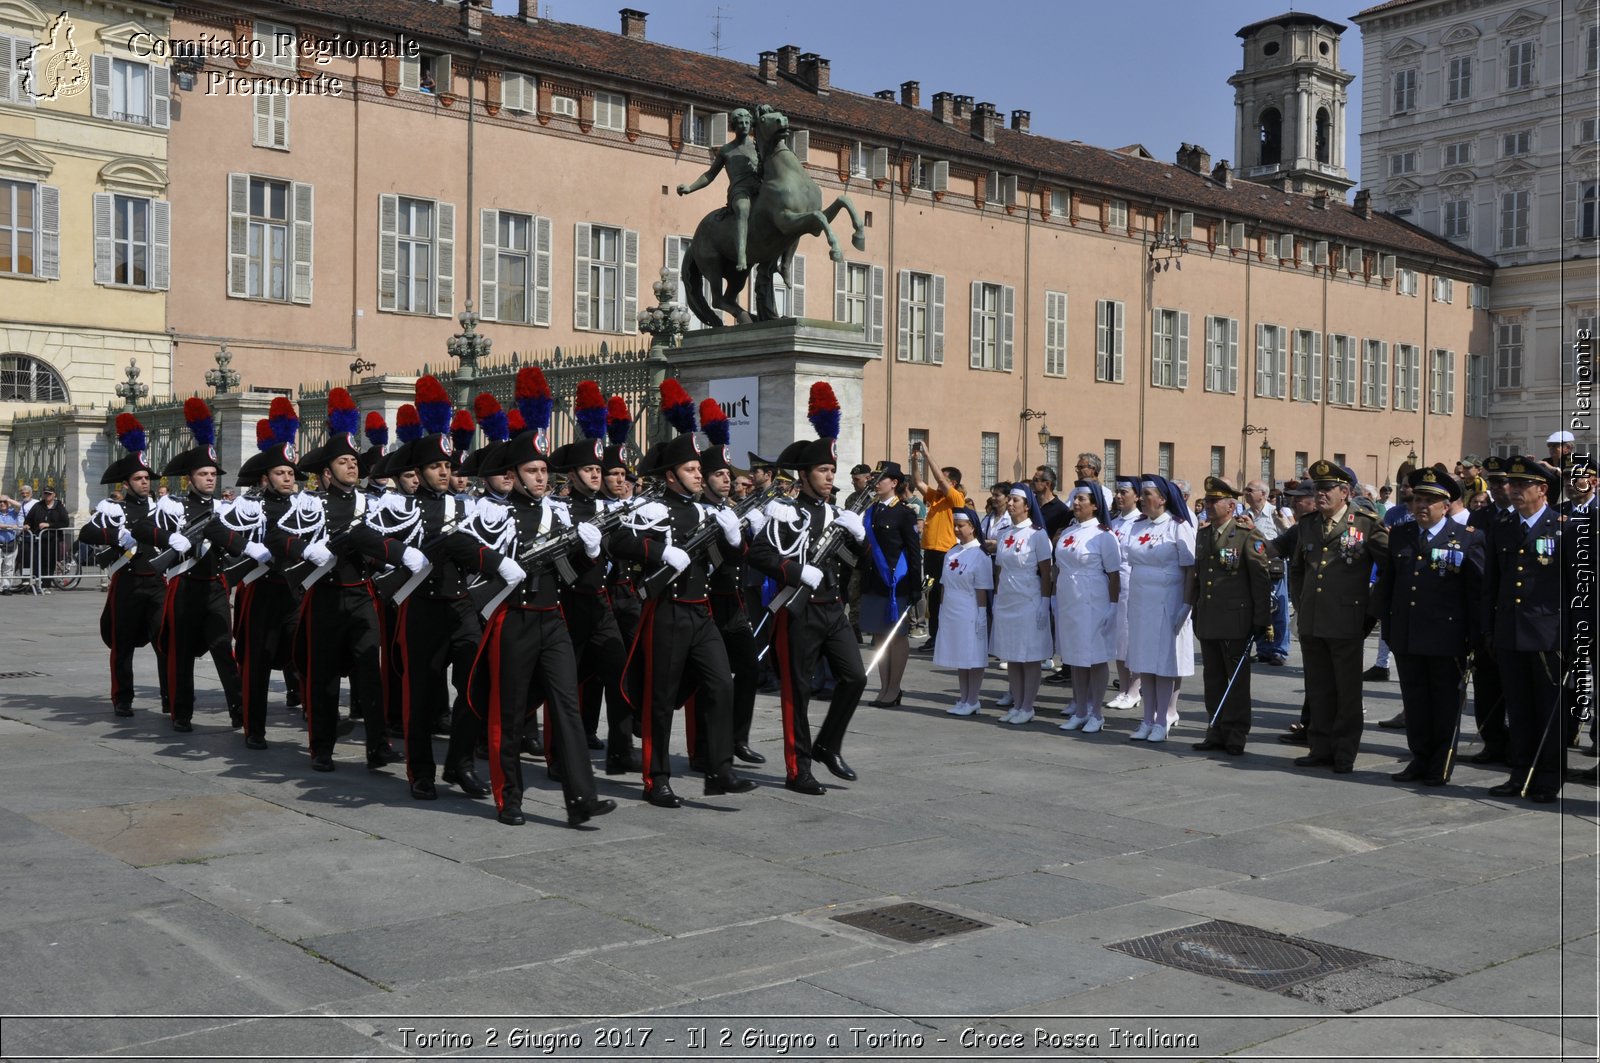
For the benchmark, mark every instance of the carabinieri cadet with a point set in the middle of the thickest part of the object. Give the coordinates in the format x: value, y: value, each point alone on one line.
x: 526, y: 656
x: 376, y: 429
x: 616, y: 478
x: 132, y: 614
x: 438, y: 624
x: 596, y: 639
x: 678, y: 643
x: 337, y: 631
x: 463, y: 429
x: 821, y: 628
x: 401, y: 485
x: 195, y: 618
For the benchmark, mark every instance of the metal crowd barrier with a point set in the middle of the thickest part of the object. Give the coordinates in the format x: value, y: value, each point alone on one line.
x: 50, y: 559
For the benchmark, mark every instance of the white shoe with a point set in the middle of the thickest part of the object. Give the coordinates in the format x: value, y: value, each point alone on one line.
x: 1005, y: 702
x: 1132, y: 701
x: 1141, y: 734
x: 1074, y: 722
x: 1008, y: 716
x: 1118, y: 702
x: 963, y: 708
x: 1021, y: 716
x: 1157, y: 734
x: 1094, y: 724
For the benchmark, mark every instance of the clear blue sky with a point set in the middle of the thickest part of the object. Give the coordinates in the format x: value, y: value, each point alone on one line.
x: 1153, y: 72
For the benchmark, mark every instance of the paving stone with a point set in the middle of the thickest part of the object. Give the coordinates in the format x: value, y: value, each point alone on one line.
x: 1436, y: 1037
x: 1150, y: 874
x: 1280, y: 917
x: 1342, y: 885
x: 1032, y: 897
x: 94, y: 783
x: 49, y: 879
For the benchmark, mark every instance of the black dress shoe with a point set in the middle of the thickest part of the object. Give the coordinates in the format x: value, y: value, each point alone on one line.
x: 1376, y: 674
x: 322, y: 762
x: 1311, y: 761
x: 631, y: 764
x: 532, y: 747
x: 122, y: 710
x: 662, y: 796
x: 511, y: 817
x: 1434, y: 780
x: 1343, y: 769
x: 1541, y: 797
x: 236, y: 718
x: 252, y: 742
x: 595, y: 741
x: 1059, y: 677
x: 1505, y: 789
x: 382, y: 757
x: 424, y: 791
x: 728, y: 784
x: 834, y: 762
x: 1396, y: 722
x: 1236, y: 749
x: 1408, y: 775
x: 1294, y: 738
x: 879, y: 703
x: 1487, y: 756
x: 805, y: 784
x: 1207, y: 746
x: 748, y: 755
x: 586, y: 808
x: 465, y: 780
x: 182, y: 725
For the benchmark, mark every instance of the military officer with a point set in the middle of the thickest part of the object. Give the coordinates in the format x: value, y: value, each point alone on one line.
x: 1233, y: 604
x: 1332, y: 566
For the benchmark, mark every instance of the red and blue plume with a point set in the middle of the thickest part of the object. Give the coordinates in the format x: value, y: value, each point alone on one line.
x: 343, y: 417
x: 589, y: 408
x: 285, y: 422
x: 407, y: 425
x: 491, y: 418
x: 533, y: 398
x: 130, y: 433
x: 201, y: 426
x: 714, y: 423
x: 377, y: 429
x: 433, y: 405
x: 515, y: 425
x: 676, y: 406
x: 266, y: 439
x: 462, y: 429
x: 619, y: 420
x: 823, y: 410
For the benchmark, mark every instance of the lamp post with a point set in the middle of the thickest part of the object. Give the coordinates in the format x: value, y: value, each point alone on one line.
x: 1044, y: 431
x: 359, y: 366
x: 1411, y: 457
x: 469, y: 347
x: 1266, y: 452
x: 223, y: 378
x: 131, y: 391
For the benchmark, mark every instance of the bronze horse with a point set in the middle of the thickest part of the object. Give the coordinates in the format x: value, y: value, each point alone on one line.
x: 788, y: 207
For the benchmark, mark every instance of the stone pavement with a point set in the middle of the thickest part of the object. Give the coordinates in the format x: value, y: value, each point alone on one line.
x: 180, y: 897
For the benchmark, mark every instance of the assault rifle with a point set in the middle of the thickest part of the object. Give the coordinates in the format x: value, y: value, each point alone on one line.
x: 704, y: 540
x: 307, y: 573
x: 554, y: 552
x: 169, y: 557
x: 832, y: 540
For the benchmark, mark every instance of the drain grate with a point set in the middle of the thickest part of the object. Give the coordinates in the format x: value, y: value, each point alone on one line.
x: 23, y: 675
x: 1244, y: 954
x: 911, y: 923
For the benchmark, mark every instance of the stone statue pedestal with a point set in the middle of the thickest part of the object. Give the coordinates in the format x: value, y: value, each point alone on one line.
x: 764, y: 372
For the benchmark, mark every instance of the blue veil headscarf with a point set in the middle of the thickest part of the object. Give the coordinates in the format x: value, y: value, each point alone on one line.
x: 1034, y: 515
x: 1097, y: 497
x: 1169, y: 492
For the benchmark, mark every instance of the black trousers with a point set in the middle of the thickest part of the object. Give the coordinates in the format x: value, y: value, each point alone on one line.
x: 394, y: 690
x: 195, y: 622
x: 1218, y: 659
x: 1533, y: 715
x: 526, y: 660
x: 1430, y: 690
x: 601, y: 654
x: 683, y: 657
x: 820, y: 632
x: 132, y: 618
x: 1489, y: 703
x: 263, y: 631
x: 739, y: 641
x: 1333, y: 684
x: 336, y: 636
x: 933, y: 565
x: 626, y: 608
x: 437, y: 634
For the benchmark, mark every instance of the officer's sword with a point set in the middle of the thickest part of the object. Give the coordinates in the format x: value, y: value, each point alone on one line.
x: 1461, y: 710
x: 883, y: 648
x: 1549, y: 725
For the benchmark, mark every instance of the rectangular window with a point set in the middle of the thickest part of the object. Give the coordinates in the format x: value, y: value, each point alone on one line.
x: 130, y: 91
x: 1405, y: 282
x: 921, y: 320
x: 1117, y: 214
x: 1165, y: 459
x: 519, y: 93
x: 1444, y: 290
x: 513, y: 266
x: 1477, y: 385
x: 1404, y: 94
x: 989, y: 460
x: 605, y: 274
x: 1519, y: 65
x: 1508, y: 355
x: 1458, y: 154
x: 1342, y: 370
x: 1588, y: 131
x: 1272, y: 361
x: 1512, y: 144
x: 1407, y: 376
x: 1055, y: 333
x: 1111, y: 452
x: 1269, y: 461
x: 1307, y: 366
x: 858, y: 278
x: 130, y: 241
x: 414, y: 247
x: 276, y: 45
x: 1402, y: 163
x: 1514, y: 219
x: 269, y: 240
x: 985, y: 326
x: 1219, y: 461
x: 1169, y: 349
x: 271, y: 119
x: 1052, y: 452
x: 610, y: 111
x: 1375, y: 375
x: 565, y: 106
x: 1591, y: 49
x: 1060, y: 204
x: 1442, y: 382
x: 1222, y: 355
x: 1108, y: 328
x: 18, y: 227
x: 1458, y: 78
x: 1301, y: 461
x: 431, y: 71
x: 858, y: 159
x: 1457, y: 214
x: 1589, y: 210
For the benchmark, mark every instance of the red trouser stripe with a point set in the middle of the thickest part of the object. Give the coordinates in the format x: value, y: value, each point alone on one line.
x: 405, y: 684
x: 241, y: 638
x: 492, y: 712
x: 169, y: 640
x: 111, y: 604
x: 647, y: 619
x: 780, y: 640
x: 306, y: 685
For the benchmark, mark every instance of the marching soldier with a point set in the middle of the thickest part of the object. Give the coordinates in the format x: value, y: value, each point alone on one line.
x: 1233, y: 604
x: 1430, y: 620
x: 622, y: 576
x: 1332, y: 565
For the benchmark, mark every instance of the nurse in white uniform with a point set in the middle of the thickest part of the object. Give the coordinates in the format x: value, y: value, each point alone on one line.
x: 1160, y: 590
x: 963, y: 643
x: 1126, y: 504
x: 1021, y: 633
x: 1088, y: 565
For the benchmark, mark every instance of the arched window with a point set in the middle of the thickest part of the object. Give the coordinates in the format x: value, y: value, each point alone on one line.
x: 1271, y: 137
x: 1324, y: 136
x: 26, y: 379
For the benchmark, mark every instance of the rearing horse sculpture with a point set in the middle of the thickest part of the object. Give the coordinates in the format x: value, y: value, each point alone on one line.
x: 788, y: 207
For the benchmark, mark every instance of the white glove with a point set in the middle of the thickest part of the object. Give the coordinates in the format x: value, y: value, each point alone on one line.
x: 811, y: 576
x: 755, y: 521
x: 413, y: 558
x: 676, y: 558
x: 512, y: 572
x: 729, y: 525
x: 591, y: 539
x: 318, y: 553
x: 179, y: 543
x: 125, y: 539
x: 851, y: 522
x: 257, y: 552
x: 107, y: 508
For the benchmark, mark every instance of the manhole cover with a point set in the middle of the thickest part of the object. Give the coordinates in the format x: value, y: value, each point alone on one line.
x: 23, y: 675
x: 910, y: 923
x: 1244, y: 954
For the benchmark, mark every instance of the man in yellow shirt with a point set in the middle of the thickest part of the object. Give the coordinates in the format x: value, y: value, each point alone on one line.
x: 941, y: 490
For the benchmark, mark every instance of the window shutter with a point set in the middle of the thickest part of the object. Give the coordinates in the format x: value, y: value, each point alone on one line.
x: 800, y: 143
x: 1263, y: 363
x: 1350, y: 372
x: 975, y: 360
x: 580, y: 278
x: 1214, y: 354
x: 262, y: 135
x: 49, y: 233
x: 541, y: 271
x: 1316, y: 367
x: 1281, y: 361
x: 878, y: 164
x: 630, y: 281
x: 1449, y: 381
x: 100, y: 85
x: 160, y: 245
x: 1117, y: 341
x: 718, y: 127
x: 410, y: 73
x: 940, y: 180
x: 875, y: 308
x: 1102, y: 342
x: 841, y: 283
x: 1183, y: 348
x: 1233, y: 357
x: 304, y: 207
x: 1569, y: 210
x: 160, y: 96
x: 1008, y: 190
x: 1383, y: 373
x: 280, y: 121
x: 388, y: 249
x: 8, y: 67
x: 238, y: 237
x: 936, y: 313
x: 104, y: 264
x: 489, y: 263
x: 443, y: 84
x: 903, y: 318
x: 1008, y: 326
x: 444, y: 253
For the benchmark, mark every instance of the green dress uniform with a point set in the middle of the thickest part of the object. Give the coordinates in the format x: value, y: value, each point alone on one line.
x: 1331, y: 574
x: 1233, y: 600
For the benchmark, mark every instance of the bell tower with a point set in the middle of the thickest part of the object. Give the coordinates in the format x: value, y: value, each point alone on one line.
x: 1289, y: 101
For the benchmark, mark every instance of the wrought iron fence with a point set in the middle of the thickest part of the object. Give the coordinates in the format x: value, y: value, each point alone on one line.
x: 38, y: 451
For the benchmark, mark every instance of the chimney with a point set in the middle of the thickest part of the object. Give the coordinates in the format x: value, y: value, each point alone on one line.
x: 911, y: 94
x: 1194, y: 158
x: 814, y: 73
x: 633, y: 23
x: 769, y: 67
x: 789, y: 60
x: 963, y: 108
x: 1364, y: 203
x: 984, y: 120
x: 1319, y: 199
x: 528, y: 11
x: 944, y: 108
x: 1020, y: 120
x: 884, y: 94
x: 472, y: 17
x: 1222, y: 173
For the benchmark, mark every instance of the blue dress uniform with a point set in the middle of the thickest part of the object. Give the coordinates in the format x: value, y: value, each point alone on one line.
x: 1431, y: 613
x: 1488, y: 697
x: 1523, y: 607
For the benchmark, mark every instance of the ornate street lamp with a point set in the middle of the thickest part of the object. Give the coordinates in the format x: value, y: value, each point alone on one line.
x: 222, y: 379
x: 131, y: 391
x: 469, y: 347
